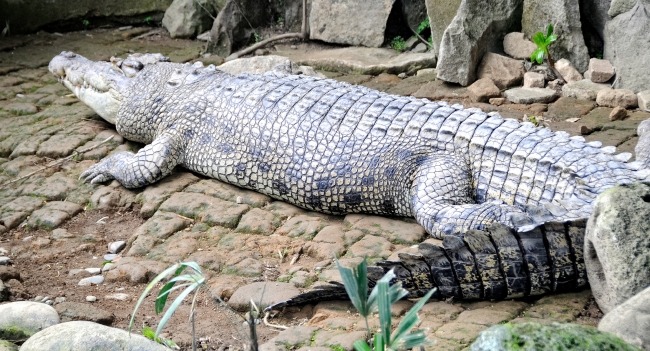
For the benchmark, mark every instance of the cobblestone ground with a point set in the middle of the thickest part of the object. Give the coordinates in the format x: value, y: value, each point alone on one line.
x: 53, y: 225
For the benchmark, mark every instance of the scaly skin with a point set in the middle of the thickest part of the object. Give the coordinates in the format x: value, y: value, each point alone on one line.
x: 338, y: 148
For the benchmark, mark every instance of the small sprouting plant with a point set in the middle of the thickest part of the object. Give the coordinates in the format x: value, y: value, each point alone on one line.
x: 423, y: 25
x: 398, y: 44
x: 147, y: 20
x: 257, y: 37
x: 85, y: 22
x: 543, y: 41
x: 192, y: 282
x: 151, y: 335
x: 280, y: 20
x: 382, y: 296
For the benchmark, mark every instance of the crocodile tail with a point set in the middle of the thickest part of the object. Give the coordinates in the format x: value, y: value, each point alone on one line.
x: 497, y: 263
x: 493, y: 264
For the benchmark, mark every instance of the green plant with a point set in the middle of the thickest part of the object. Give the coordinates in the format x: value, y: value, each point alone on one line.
x: 382, y: 296
x: 147, y: 20
x: 192, y: 282
x: 257, y: 37
x: 398, y: 44
x: 543, y: 41
x: 280, y: 20
x: 150, y: 334
x: 423, y: 25
x: 85, y: 22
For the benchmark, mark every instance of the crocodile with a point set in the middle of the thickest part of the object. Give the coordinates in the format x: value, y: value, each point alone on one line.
x: 509, y: 199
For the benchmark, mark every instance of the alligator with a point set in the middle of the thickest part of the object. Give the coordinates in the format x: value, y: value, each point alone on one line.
x: 509, y: 199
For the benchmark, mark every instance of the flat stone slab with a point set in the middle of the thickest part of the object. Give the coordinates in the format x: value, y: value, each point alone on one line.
x: 360, y: 60
x: 205, y: 209
x: 263, y: 293
x: 530, y: 95
x: 53, y: 214
x: 583, y: 89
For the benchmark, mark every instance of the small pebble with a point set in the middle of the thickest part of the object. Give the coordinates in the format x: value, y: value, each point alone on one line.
x: 117, y: 296
x: 93, y: 270
x: 38, y: 298
x: 116, y: 247
x: 618, y: 113
x: 28, y: 238
x: 107, y: 267
x: 4, y: 260
x: 97, y: 279
x: 45, y: 298
x: 402, y: 75
x: 59, y: 299
x: 293, y: 47
x: 111, y: 257
x: 49, y: 302
x: 3, y: 251
x: 91, y: 298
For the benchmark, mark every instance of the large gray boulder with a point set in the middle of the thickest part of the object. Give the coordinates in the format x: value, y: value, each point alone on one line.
x: 617, y: 244
x: 627, y: 39
x: 565, y: 17
x: 479, y: 27
x: 189, y: 18
x: 642, y: 149
x: 23, y: 319
x: 441, y: 13
x: 550, y: 337
x: 415, y: 11
x: 88, y: 336
x: 29, y: 16
x: 631, y: 320
x: 360, y: 22
x: 616, y: 7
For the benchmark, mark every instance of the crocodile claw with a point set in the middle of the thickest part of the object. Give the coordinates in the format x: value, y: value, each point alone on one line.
x: 97, y: 173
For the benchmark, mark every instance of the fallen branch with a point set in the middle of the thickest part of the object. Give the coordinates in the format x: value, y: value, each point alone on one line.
x: 58, y: 162
x: 303, y: 35
x: 420, y: 37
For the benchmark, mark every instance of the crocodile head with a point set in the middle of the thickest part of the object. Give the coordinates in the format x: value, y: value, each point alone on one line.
x: 100, y: 85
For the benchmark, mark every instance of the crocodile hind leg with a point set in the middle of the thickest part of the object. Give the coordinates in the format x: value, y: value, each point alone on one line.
x: 443, y: 203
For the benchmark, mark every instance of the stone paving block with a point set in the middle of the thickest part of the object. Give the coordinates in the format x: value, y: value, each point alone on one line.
x: 584, y: 89
x: 54, y: 187
x: 23, y: 204
x: 283, y: 209
x: 53, y: 214
x: 397, y: 231
x: 611, y: 137
x: 560, y: 307
x: 258, y: 221
x: 21, y: 108
x: 371, y: 246
x: 484, y: 316
x: 159, y: 227
x: 204, y: 208
x: 61, y: 145
x: 212, y: 259
x: 233, y: 241
x: 175, y: 248
x: 28, y: 146
x: 154, y: 194
x: 343, y: 340
x: 530, y: 95
x: 294, y: 336
x: 139, y: 271
x: 229, y: 192
x: 569, y: 107
x: 440, y: 344
x: 460, y: 332
x: 266, y: 293
x: 302, y: 226
x: 11, y: 220
x: 112, y: 198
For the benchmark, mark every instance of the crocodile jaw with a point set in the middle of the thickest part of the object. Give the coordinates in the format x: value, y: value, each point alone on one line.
x: 100, y: 85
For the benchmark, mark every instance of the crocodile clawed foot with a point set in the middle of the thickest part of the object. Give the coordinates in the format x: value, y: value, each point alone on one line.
x: 96, y: 174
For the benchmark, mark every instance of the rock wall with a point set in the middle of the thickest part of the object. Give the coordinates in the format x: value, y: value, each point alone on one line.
x: 27, y: 16
x: 441, y: 13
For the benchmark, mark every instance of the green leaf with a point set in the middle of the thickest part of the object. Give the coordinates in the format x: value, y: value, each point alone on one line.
x: 379, y: 342
x: 383, y: 304
x: 161, y: 300
x: 150, y: 286
x: 539, y: 39
x: 356, y: 285
x: 361, y: 345
x: 413, y: 340
x: 411, y: 319
x: 172, y: 308
x: 551, y: 38
x: 549, y: 30
x: 535, y: 55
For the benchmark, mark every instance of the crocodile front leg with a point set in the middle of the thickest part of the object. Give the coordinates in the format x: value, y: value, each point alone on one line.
x: 443, y: 202
x: 150, y: 164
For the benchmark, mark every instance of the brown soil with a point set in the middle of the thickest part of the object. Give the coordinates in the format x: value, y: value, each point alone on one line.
x: 44, y: 272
